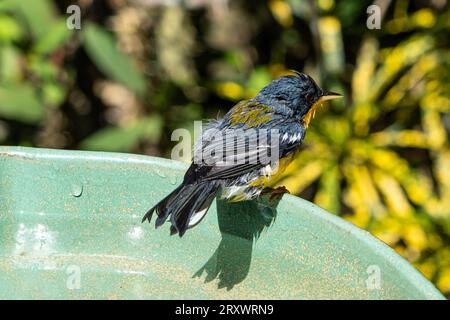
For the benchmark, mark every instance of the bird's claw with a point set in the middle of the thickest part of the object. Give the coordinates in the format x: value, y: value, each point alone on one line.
x: 275, y: 194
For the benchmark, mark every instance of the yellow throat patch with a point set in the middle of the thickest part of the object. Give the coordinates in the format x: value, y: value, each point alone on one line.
x: 311, y: 113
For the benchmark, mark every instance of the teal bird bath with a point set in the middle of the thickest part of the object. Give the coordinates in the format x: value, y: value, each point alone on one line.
x: 71, y: 229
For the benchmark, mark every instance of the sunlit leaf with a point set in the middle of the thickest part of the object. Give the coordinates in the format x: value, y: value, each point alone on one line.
x: 415, y: 237
x: 403, y: 138
x: 282, y: 12
x: 230, y: 90
x: 365, y: 68
x: 10, y: 30
x: 392, y: 193
x: 434, y: 129
x: 398, y: 58
x: 360, y: 175
x: 303, y: 177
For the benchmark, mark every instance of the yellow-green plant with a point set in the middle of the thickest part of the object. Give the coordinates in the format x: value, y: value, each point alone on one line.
x: 384, y: 161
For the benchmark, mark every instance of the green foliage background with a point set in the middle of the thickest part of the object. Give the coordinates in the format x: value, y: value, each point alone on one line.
x: 137, y: 70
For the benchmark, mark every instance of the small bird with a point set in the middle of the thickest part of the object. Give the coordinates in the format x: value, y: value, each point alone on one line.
x: 282, y: 110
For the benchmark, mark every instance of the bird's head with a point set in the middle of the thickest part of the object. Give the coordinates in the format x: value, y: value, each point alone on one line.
x: 297, y: 94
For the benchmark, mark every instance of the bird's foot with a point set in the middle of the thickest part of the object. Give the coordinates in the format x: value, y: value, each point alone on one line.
x: 274, y: 194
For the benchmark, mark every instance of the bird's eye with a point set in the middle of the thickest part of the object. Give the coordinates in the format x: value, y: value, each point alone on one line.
x: 309, y: 98
x: 281, y: 99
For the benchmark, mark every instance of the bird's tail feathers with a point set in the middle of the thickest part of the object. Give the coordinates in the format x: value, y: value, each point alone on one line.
x: 186, y: 206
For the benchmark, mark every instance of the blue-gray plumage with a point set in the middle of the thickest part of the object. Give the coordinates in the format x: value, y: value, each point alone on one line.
x: 231, y: 157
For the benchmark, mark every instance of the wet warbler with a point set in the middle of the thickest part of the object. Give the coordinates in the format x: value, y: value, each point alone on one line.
x: 238, y: 155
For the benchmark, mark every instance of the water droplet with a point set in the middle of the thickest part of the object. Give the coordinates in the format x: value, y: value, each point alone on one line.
x: 172, y: 179
x: 77, y: 190
x: 160, y: 173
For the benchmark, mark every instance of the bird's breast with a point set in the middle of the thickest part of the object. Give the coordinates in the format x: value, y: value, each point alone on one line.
x: 273, y: 172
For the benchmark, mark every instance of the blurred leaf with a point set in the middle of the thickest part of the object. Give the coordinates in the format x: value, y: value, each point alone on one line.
x: 282, y: 12
x: 39, y: 15
x: 235, y: 58
x: 349, y: 11
x: 329, y: 190
x: 10, y: 30
x: 102, y: 49
x: 53, y: 94
x: 365, y: 67
x: 230, y: 90
x: 10, y: 69
x: 7, y: 5
x: 259, y: 77
x: 43, y: 67
x: 122, y: 139
x: 300, y: 8
x: 403, y: 138
x: 336, y: 129
x: 398, y: 58
x: 175, y: 45
x: 303, y: 177
x: 54, y: 39
x: 331, y: 44
x: 20, y: 103
x: 112, y: 139
x: 393, y: 194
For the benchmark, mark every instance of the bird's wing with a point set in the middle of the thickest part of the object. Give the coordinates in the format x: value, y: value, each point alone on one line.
x: 249, y: 114
x: 237, y: 151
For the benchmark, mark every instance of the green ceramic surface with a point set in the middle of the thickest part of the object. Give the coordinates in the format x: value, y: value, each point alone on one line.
x: 71, y: 228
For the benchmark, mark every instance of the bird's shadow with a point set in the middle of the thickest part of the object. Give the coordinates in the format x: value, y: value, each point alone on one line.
x: 240, y: 224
